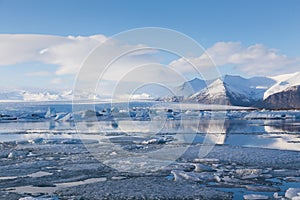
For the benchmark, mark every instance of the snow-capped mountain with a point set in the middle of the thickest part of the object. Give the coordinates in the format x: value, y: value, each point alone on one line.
x: 276, y: 92
x: 254, y: 88
x: 265, y: 92
x: 234, y: 90
x: 285, y: 93
x: 23, y: 95
x: 283, y: 82
x: 288, y: 98
x: 35, y: 95
x: 12, y: 95
x: 220, y: 92
x: 215, y: 93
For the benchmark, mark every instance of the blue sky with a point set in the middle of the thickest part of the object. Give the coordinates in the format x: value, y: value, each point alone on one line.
x: 273, y: 23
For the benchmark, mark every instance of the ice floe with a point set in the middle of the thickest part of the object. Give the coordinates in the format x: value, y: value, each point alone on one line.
x: 255, y: 197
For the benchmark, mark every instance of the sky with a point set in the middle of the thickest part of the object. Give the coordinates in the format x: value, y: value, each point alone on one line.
x: 43, y: 43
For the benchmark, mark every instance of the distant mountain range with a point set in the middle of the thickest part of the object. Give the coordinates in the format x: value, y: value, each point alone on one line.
x: 278, y: 92
x: 24, y: 95
x: 264, y: 92
x: 36, y: 95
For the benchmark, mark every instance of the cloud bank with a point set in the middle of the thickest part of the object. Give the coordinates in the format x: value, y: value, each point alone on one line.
x: 67, y: 53
x: 252, y: 60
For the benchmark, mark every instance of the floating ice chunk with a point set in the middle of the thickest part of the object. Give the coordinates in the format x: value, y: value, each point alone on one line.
x: 248, y: 173
x: 151, y: 141
x: 192, y: 176
x: 17, y: 154
x: 118, y: 177
x: 50, y: 113
x: 173, y: 115
x: 178, y: 175
x: 277, y: 196
x: 201, y: 168
x: 113, y: 153
x: 292, y: 179
x: 217, y: 178
x: 38, y: 198
x: 255, y: 197
x: 285, y: 173
x: 251, y: 176
x: 30, y: 154
x: 80, y: 115
x: 192, y: 113
x: 87, y: 114
x: 10, y: 155
x: 235, y: 114
x: 63, y: 117
x: 206, y: 160
x: 228, y: 179
x: 8, y: 177
x: 262, y: 188
x: 157, y: 140
x: 39, y: 174
x: 142, y: 115
x: 36, y: 141
x: 292, y: 193
x: 268, y: 115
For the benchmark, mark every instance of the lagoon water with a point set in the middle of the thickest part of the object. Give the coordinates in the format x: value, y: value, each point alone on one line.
x: 236, y: 131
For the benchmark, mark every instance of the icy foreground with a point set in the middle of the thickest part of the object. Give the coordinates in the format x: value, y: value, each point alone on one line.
x: 56, y: 170
x: 49, y: 152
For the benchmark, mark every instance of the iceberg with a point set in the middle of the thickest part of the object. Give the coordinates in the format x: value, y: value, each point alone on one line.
x: 293, y: 193
x: 50, y: 113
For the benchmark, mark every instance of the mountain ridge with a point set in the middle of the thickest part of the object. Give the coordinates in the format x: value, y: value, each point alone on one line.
x: 281, y: 91
x: 254, y: 91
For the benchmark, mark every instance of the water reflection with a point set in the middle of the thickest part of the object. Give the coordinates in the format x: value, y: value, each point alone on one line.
x: 277, y: 134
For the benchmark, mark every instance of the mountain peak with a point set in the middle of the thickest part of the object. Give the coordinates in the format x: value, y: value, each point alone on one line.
x: 215, y: 93
x: 195, y: 79
x: 283, y: 82
x: 190, y: 87
x: 217, y: 88
x: 255, y: 91
x: 217, y: 82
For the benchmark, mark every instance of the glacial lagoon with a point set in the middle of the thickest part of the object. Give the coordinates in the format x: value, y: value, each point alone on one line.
x: 61, y: 151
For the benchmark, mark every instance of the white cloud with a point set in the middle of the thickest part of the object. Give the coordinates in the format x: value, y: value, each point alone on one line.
x: 66, y: 52
x: 252, y: 60
x: 70, y: 55
x: 38, y: 73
